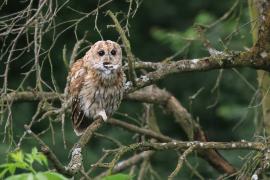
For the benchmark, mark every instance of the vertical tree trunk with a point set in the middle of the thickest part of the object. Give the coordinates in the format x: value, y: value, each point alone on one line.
x: 257, y: 19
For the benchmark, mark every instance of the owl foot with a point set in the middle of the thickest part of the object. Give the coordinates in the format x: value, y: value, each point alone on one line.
x: 103, y: 115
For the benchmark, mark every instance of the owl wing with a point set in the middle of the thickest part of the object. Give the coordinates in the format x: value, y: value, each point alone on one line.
x: 77, y: 76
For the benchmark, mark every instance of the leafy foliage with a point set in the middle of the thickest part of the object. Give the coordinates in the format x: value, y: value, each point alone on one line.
x: 41, y: 175
x: 25, y: 161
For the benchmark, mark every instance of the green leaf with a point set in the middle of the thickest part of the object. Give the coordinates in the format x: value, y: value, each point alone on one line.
x: 5, y: 165
x: 39, y: 176
x: 118, y: 177
x: 43, y: 159
x: 11, y: 168
x: 204, y: 18
x: 21, y: 165
x: 37, y: 156
x: 3, y: 172
x: 8, y: 167
x: 17, y: 156
x: 29, y: 159
x: 50, y: 175
x: 25, y: 176
x: 34, y: 151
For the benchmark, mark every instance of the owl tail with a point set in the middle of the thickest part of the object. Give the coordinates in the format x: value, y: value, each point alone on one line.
x: 81, y: 127
x: 79, y: 121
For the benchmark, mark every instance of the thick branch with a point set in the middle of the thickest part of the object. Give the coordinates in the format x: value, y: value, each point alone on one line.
x: 76, y: 159
x: 177, y: 145
x: 185, y: 120
x: 26, y: 96
x: 163, y: 69
x: 181, y: 145
x: 221, y: 61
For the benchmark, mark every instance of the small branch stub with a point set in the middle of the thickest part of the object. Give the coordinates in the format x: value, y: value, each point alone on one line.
x: 76, y: 160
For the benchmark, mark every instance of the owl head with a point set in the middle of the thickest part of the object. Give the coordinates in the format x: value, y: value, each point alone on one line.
x: 105, y: 57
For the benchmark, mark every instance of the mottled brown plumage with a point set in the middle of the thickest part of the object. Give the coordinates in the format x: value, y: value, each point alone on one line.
x: 96, y: 84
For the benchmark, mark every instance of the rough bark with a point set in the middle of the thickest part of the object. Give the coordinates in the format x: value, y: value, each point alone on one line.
x: 260, y: 18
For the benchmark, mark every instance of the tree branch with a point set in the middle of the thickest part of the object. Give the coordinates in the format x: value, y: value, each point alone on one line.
x: 120, y: 166
x: 136, y: 129
x: 185, y: 120
x: 180, y: 163
x: 76, y: 158
x: 178, y: 145
x: 163, y: 69
x: 221, y: 61
x: 28, y: 96
x: 49, y: 154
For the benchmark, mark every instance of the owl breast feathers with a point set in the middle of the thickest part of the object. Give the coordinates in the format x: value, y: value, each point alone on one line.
x: 96, y: 84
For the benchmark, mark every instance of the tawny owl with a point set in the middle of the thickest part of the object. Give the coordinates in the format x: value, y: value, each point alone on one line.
x: 96, y: 84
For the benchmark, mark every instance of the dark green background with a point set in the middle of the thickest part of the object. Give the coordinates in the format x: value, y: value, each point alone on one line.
x: 157, y: 31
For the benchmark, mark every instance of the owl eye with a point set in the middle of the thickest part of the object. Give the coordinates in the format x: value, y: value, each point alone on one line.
x: 113, y: 52
x: 101, y: 53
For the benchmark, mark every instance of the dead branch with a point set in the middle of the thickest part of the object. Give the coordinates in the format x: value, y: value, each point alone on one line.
x: 176, y: 145
x: 180, y: 163
x: 122, y: 165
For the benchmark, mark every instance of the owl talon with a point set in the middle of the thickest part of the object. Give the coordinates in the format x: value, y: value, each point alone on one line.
x: 103, y: 115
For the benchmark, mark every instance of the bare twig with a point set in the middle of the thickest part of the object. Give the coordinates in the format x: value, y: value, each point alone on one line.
x: 127, y: 47
x: 180, y: 163
x: 122, y: 165
x: 137, y: 129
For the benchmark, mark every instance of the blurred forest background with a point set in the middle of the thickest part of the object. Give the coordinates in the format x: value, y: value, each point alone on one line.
x: 222, y: 101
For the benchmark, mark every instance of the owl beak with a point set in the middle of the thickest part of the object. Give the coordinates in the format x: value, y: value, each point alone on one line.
x: 108, y: 65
